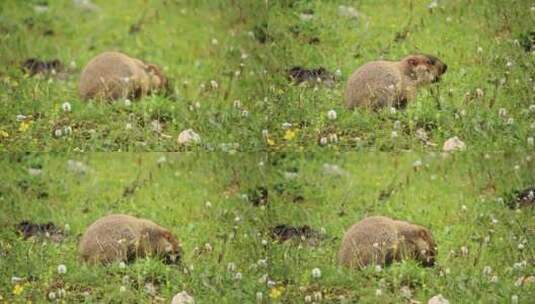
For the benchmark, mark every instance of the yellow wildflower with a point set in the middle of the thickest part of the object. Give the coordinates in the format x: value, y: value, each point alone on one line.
x: 4, y: 133
x: 24, y: 126
x: 270, y: 141
x: 276, y: 292
x: 289, y: 135
x: 18, y: 289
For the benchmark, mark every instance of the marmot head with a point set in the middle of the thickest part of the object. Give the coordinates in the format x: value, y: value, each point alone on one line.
x: 166, y: 246
x: 424, y: 246
x: 158, y: 79
x: 424, y: 69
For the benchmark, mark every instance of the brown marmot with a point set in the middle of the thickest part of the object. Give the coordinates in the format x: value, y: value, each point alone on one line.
x: 120, y: 237
x: 379, y: 84
x: 113, y: 75
x: 381, y: 240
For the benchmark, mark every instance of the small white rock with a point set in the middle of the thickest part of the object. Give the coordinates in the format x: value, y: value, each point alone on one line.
x: 188, y: 136
x: 150, y: 288
x: 405, y: 292
x: 454, y: 144
x: 438, y: 299
x: 183, y: 298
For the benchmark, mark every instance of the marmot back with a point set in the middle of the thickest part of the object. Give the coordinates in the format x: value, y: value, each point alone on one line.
x: 379, y: 84
x: 381, y: 240
x: 120, y: 237
x: 113, y: 75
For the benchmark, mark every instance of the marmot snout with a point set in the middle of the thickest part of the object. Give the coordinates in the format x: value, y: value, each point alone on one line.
x: 381, y: 240
x: 113, y: 75
x: 120, y: 237
x: 379, y: 84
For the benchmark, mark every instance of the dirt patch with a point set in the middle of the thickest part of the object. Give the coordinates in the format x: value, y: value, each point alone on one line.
x: 283, y: 233
x: 524, y: 198
x: 258, y: 196
x: 34, y: 66
x: 48, y: 230
x: 300, y: 75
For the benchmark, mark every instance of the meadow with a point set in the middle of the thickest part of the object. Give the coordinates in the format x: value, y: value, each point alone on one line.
x: 228, y: 65
x: 209, y: 202
x: 273, y: 153
x: 202, y: 46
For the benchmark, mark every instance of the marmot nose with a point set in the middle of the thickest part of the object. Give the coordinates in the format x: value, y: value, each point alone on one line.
x: 445, y: 68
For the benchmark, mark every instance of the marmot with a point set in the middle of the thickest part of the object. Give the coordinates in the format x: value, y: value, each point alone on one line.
x: 113, y: 75
x: 392, y: 83
x: 381, y: 240
x: 120, y: 237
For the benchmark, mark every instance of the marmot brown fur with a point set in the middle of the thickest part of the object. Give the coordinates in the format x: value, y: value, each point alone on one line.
x: 381, y: 240
x: 113, y: 75
x: 120, y: 237
x: 379, y: 84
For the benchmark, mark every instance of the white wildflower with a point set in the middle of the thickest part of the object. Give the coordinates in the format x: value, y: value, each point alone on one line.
x: 316, y: 273
x: 514, y: 298
x: 286, y: 125
x: 66, y: 106
x: 231, y: 267
x: 259, y: 296
x: 331, y: 114
x: 51, y: 296
x: 62, y: 269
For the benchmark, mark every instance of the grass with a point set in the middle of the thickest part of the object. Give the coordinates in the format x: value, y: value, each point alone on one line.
x: 461, y: 198
x: 484, y: 98
x: 372, y: 164
x: 197, y: 43
x: 453, y: 31
x: 174, y: 193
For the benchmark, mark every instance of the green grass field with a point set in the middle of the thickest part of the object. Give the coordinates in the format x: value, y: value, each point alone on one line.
x: 228, y: 62
x: 481, y: 41
x: 461, y: 198
x: 199, y: 45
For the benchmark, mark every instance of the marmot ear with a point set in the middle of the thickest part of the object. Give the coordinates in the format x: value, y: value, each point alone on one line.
x: 167, y: 235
